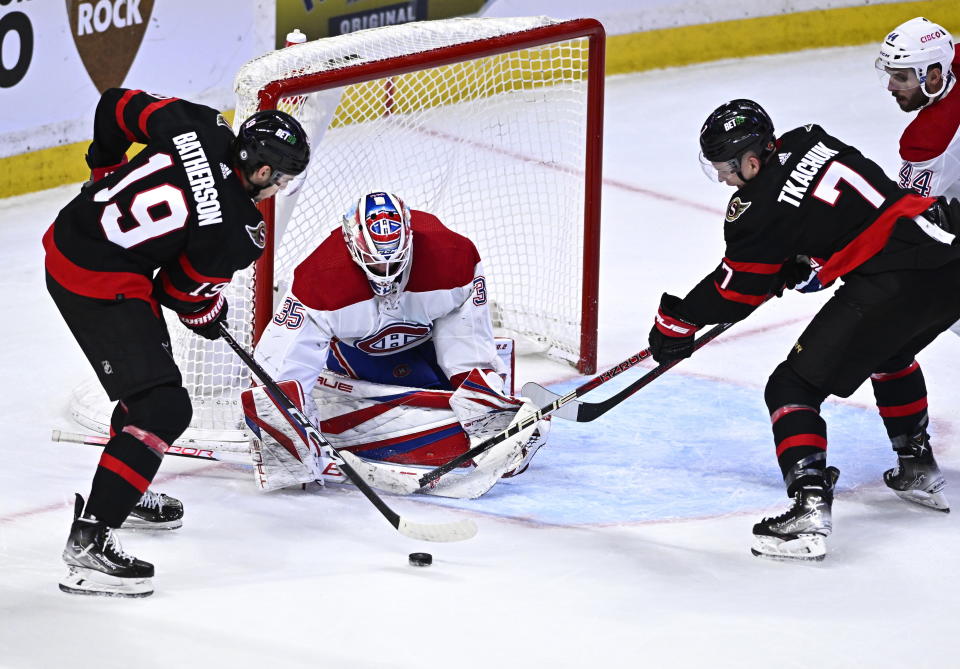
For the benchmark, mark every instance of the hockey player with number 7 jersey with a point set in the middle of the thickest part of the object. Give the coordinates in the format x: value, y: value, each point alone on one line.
x: 808, y: 210
x: 166, y: 229
x: 385, y: 335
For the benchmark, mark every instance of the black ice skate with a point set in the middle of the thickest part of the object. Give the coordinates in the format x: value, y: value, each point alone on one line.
x: 917, y: 478
x: 799, y: 533
x: 97, y: 563
x: 155, y: 511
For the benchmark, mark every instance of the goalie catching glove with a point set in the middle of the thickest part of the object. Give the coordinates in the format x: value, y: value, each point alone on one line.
x: 484, y: 411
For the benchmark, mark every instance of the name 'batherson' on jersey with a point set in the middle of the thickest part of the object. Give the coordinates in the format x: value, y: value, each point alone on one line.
x: 171, y: 226
x: 820, y: 198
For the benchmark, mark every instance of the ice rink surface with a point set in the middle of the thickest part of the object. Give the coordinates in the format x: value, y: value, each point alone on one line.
x: 624, y: 545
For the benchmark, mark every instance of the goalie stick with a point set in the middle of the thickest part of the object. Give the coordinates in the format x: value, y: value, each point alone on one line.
x: 584, y: 412
x: 562, y: 401
x: 453, y: 531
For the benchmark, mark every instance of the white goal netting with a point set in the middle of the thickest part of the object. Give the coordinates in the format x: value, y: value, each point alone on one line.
x: 482, y: 122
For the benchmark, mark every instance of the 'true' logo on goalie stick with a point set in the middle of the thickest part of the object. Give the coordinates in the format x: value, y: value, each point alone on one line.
x: 108, y: 34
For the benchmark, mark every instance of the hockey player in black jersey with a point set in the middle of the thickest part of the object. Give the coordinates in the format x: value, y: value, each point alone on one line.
x: 166, y: 229
x: 809, y: 210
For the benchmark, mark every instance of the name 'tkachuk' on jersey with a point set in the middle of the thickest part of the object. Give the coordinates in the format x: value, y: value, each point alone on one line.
x: 816, y: 197
x: 443, y: 299
x: 177, y: 207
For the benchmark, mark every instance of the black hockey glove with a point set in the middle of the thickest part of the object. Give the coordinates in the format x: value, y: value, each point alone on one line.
x: 206, y: 323
x: 672, y: 336
x: 801, y: 274
x: 945, y: 214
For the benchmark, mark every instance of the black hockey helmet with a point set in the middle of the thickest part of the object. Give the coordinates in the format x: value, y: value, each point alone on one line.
x: 734, y: 128
x: 272, y: 137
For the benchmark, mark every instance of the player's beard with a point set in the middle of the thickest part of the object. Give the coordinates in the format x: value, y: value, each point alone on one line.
x: 912, y: 102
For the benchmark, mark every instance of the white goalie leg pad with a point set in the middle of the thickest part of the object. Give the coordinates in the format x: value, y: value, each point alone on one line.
x: 281, y: 454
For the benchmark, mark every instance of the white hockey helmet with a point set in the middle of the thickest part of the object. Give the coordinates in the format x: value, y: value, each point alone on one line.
x: 379, y: 238
x: 915, y: 45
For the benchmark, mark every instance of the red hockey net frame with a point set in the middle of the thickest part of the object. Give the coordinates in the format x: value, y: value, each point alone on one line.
x: 271, y: 95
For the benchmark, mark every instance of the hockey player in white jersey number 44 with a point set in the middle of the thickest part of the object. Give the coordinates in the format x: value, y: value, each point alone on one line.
x: 385, y: 341
x: 918, y: 64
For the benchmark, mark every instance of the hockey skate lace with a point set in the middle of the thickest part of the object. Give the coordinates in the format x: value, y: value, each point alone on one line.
x: 783, y: 516
x: 113, y: 544
x: 152, y: 500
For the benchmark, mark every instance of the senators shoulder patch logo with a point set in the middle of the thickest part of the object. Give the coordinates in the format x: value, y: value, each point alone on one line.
x: 736, y: 208
x: 258, y: 233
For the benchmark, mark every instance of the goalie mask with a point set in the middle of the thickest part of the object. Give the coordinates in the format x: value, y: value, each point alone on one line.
x: 379, y: 238
x: 908, y: 53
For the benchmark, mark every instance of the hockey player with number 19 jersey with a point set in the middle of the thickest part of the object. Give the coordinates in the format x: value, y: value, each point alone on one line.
x: 166, y: 229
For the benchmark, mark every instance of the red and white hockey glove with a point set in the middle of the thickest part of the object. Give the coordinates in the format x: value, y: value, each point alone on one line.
x: 206, y: 323
x: 672, y: 336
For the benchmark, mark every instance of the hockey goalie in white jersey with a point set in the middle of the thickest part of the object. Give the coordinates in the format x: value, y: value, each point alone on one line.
x: 385, y: 340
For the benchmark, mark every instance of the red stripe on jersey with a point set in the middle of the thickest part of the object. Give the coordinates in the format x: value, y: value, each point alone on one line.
x: 743, y: 298
x: 167, y: 286
x: 814, y: 440
x: 99, y: 285
x: 901, y: 410
x: 121, y: 105
x: 880, y: 377
x: 338, y: 354
x: 148, y: 110
x: 872, y: 240
x: 197, y: 276
x: 753, y: 267
x: 122, y: 470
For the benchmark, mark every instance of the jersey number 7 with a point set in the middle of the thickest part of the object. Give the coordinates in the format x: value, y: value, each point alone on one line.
x: 836, y: 172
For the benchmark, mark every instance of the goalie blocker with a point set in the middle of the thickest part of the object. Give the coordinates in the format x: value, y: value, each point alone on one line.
x: 397, y: 433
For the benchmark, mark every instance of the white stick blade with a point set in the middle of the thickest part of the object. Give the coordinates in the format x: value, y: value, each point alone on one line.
x: 541, y: 397
x: 459, y: 530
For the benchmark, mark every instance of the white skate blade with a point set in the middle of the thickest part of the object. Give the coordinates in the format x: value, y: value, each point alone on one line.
x: 936, y: 500
x: 806, y: 547
x: 83, y: 581
x: 134, y: 523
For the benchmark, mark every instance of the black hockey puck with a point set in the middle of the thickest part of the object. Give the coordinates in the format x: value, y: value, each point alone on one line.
x: 421, y: 559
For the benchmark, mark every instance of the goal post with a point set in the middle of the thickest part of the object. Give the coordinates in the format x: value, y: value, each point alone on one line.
x: 552, y: 59
x: 493, y: 125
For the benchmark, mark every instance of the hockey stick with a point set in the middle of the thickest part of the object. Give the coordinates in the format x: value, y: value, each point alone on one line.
x: 454, y: 531
x: 557, y: 404
x: 584, y: 412
x: 181, y: 451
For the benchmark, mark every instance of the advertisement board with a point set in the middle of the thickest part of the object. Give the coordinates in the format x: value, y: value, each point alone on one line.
x: 325, y: 18
x: 57, y: 56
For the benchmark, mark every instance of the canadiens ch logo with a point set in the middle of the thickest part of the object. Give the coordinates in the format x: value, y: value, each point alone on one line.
x: 394, y: 337
x: 736, y: 208
x: 258, y: 233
